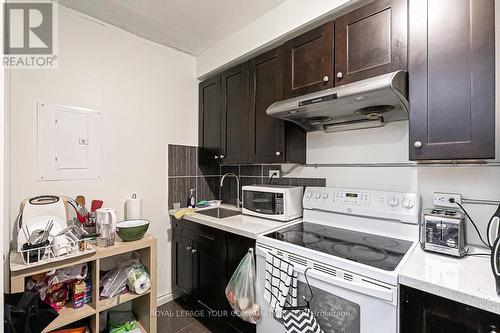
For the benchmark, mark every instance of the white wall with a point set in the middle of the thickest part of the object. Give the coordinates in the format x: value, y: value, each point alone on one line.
x: 265, y: 32
x: 148, y: 96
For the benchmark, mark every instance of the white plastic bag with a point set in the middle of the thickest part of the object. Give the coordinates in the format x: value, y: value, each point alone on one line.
x: 240, y: 291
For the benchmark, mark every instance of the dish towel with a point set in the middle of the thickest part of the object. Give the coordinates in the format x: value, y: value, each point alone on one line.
x: 281, y: 284
x: 300, y: 321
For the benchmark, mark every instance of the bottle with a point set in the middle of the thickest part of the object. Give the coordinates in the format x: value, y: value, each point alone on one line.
x: 191, y: 201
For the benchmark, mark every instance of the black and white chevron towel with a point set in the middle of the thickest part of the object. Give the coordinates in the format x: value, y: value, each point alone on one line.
x: 280, y: 285
x: 300, y: 321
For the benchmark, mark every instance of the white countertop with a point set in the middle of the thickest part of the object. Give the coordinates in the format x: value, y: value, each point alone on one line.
x: 244, y: 225
x: 467, y: 280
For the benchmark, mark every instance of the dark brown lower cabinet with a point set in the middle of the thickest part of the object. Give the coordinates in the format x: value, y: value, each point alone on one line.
x: 203, y: 261
x: 426, y: 313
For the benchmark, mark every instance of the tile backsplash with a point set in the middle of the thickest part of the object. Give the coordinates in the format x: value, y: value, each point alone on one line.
x: 184, y: 174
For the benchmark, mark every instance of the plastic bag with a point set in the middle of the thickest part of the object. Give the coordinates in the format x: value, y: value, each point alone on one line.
x: 138, y: 279
x: 114, y: 281
x: 240, y: 291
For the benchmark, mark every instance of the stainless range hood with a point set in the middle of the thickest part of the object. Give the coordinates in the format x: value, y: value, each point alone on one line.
x: 364, y: 104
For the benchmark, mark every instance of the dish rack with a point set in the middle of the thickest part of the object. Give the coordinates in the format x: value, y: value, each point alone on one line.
x: 45, y: 252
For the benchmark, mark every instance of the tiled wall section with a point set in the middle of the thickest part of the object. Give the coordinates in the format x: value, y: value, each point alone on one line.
x: 184, y: 174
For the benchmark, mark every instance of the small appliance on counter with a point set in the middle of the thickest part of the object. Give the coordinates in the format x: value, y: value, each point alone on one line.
x: 494, y: 240
x: 443, y: 231
x: 106, y: 226
x: 282, y: 203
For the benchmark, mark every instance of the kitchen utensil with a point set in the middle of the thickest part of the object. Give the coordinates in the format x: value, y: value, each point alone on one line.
x: 96, y: 204
x: 60, y: 244
x: 443, y: 231
x: 495, y: 263
x: 80, y: 200
x: 494, y: 227
x: 39, y: 223
x: 131, y: 230
x: 106, y: 226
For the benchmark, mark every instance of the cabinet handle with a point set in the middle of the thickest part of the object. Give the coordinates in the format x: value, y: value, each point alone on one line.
x: 417, y: 144
x: 189, y: 248
x: 193, y: 251
x: 278, y: 153
x: 340, y: 75
x: 216, y: 157
x: 326, y: 78
x: 222, y: 156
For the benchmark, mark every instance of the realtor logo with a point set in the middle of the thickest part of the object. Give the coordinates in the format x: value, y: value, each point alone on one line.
x: 29, y: 34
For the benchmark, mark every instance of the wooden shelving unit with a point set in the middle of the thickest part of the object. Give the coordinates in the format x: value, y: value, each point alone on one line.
x: 143, y: 306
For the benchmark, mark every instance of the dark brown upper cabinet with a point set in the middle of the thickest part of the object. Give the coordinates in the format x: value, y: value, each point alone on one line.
x: 271, y: 140
x: 371, y: 40
x: 234, y: 115
x: 267, y: 134
x: 308, y: 62
x: 209, y: 128
x: 452, y: 79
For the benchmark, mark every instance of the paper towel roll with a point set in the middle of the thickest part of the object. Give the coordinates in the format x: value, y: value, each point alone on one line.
x: 133, y: 208
x: 142, y: 284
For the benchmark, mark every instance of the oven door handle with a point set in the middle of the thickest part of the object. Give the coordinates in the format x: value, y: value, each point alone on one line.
x: 365, y: 286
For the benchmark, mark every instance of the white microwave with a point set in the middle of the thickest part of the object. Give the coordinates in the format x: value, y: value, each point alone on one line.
x: 282, y: 203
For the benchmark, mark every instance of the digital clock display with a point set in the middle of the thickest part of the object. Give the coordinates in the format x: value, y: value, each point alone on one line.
x: 351, y: 195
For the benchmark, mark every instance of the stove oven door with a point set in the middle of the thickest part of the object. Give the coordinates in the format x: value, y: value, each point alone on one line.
x: 339, y: 305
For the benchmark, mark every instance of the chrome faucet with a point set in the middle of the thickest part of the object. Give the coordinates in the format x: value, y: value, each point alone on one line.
x: 230, y: 174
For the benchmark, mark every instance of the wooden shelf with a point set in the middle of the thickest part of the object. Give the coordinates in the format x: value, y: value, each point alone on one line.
x: 105, y: 304
x: 68, y: 315
x: 142, y: 305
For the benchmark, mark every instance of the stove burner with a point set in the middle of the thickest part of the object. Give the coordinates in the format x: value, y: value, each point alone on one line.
x: 304, y: 237
x: 437, y: 211
x: 450, y: 213
x: 380, y: 242
x: 359, y: 253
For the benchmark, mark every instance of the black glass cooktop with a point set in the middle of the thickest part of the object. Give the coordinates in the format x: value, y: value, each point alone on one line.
x: 373, y: 250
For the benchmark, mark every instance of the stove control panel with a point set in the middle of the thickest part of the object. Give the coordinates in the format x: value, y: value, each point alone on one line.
x: 404, y: 207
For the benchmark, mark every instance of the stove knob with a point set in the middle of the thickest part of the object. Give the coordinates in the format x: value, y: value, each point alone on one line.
x: 325, y: 196
x: 407, y: 203
x: 393, y: 202
x: 317, y: 195
x: 309, y: 194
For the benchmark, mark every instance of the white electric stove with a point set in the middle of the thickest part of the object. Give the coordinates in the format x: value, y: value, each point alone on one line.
x: 354, y: 243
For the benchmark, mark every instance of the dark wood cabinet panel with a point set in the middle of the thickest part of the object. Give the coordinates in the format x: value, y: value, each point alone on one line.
x: 452, y: 79
x: 182, y: 261
x: 203, y: 261
x: 371, y: 40
x: 209, y: 124
x: 308, y: 62
x: 425, y: 313
x: 234, y: 115
x: 267, y: 134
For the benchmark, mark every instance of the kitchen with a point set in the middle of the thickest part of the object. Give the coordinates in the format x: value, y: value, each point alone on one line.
x: 152, y: 148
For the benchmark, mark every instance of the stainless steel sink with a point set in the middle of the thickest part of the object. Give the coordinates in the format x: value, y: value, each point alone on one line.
x: 219, y: 213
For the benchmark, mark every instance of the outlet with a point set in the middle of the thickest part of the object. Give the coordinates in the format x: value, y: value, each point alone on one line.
x: 274, y: 173
x: 443, y: 199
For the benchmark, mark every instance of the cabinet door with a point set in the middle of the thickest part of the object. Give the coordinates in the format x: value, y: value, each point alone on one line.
x: 425, y: 313
x: 234, y: 123
x: 267, y: 134
x: 371, y: 40
x: 209, y: 125
x: 452, y: 79
x: 208, y: 276
x: 183, y: 264
x: 308, y: 62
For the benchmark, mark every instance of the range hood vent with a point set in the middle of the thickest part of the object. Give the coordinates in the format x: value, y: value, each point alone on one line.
x: 364, y: 104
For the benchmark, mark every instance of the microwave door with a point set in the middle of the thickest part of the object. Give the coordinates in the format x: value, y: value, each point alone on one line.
x: 260, y: 202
